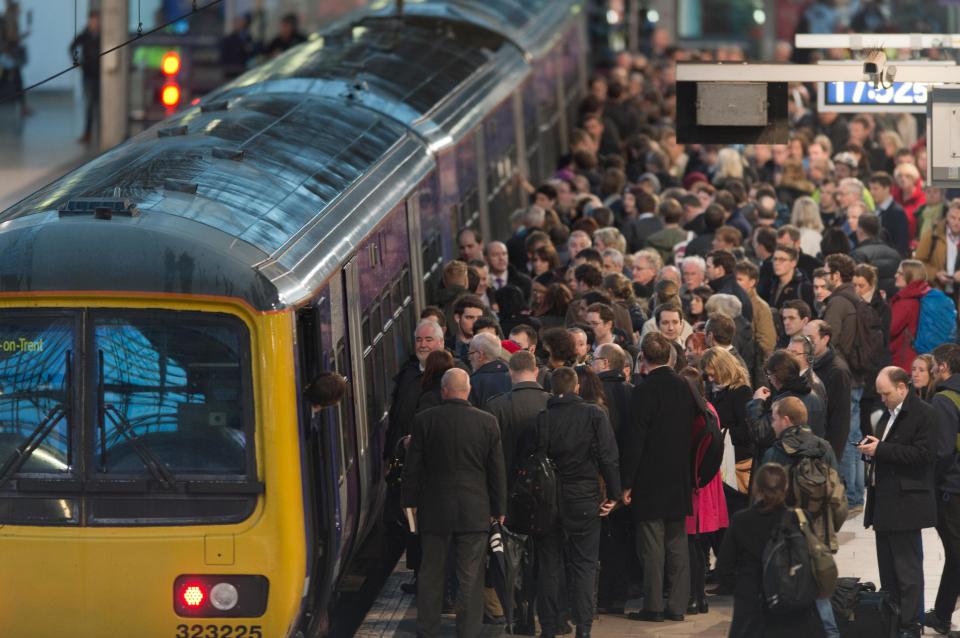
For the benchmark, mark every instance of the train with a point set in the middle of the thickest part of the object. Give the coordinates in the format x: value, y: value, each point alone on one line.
x: 164, y: 304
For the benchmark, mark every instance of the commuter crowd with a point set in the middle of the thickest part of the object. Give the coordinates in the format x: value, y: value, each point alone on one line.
x: 800, y: 298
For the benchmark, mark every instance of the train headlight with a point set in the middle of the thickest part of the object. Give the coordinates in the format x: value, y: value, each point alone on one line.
x: 224, y: 596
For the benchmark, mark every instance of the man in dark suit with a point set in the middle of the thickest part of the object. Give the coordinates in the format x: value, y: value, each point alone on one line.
x: 454, y: 479
x: 900, y: 492
x: 656, y: 474
x: 896, y: 229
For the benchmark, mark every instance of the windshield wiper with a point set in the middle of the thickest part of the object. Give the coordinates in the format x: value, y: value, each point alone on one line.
x: 156, y: 467
x: 31, y: 443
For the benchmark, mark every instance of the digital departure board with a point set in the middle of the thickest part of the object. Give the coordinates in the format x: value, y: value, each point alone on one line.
x: 856, y: 97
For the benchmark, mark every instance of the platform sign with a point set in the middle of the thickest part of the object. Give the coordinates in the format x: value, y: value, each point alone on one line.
x: 860, y: 97
x: 943, y: 137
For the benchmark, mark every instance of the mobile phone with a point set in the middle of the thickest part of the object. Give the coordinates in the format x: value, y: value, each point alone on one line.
x: 865, y: 440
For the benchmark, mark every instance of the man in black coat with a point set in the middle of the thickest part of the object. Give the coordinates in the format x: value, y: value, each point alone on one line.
x: 454, y: 479
x: 516, y: 411
x: 618, y: 558
x: 896, y: 228
x: 946, y: 403
x: 490, y: 374
x: 657, y: 476
x: 579, y: 439
x: 900, y: 492
x: 723, y: 279
x: 428, y: 337
x: 833, y: 371
x: 871, y: 250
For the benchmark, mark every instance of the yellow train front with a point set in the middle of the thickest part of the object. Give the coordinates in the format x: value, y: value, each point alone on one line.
x: 162, y: 306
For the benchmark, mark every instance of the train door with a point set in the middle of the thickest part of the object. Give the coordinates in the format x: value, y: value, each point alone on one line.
x: 358, y: 341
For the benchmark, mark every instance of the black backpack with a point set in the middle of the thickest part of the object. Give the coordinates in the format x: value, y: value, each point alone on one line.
x: 706, y: 446
x: 534, y: 504
x: 868, y: 353
x: 789, y: 584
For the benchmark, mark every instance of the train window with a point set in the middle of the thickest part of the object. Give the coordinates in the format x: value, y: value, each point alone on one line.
x: 171, y: 391
x: 365, y: 331
x: 36, y: 371
x: 376, y: 323
x: 373, y: 396
x: 387, y: 304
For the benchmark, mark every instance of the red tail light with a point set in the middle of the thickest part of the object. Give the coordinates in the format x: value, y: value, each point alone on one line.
x: 193, y: 596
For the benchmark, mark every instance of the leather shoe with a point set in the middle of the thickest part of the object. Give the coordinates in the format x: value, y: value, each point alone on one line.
x: 673, y: 617
x: 703, y: 607
x: 692, y: 608
x: 646, y: 616
x: 931, y: 620
x: 409, y: 588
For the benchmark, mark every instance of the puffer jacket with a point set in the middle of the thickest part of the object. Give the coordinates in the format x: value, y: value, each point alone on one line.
x: 884, y: 258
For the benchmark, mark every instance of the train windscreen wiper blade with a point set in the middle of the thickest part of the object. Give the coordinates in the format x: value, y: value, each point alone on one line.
x: 154, y: 465
x: 23, y: 452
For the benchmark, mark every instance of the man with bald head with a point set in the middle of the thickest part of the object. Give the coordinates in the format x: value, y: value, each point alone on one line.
x: 454, y: 480
x: 502, y: 272
x: 900, y: 492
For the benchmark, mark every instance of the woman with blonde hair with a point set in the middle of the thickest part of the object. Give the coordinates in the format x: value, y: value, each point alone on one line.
x: 729, y: 166
x: 806, y: 217
x: 729, y: 393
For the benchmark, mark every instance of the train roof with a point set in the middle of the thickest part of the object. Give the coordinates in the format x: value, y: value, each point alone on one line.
x: 263, y: 189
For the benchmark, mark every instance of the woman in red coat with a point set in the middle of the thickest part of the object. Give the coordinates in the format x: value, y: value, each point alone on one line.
x: 905, y: 311
x: 709, y: 515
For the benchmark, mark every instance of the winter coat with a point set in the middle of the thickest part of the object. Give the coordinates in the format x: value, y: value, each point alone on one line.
x: 947, y: 471
x: 794, y: 444
x: 740, y: 567
x: 932, y: 250
x: 516, y: 412
x: 902, y: 497
x: 489, y: 380
x: 841, y: 314
x: 655, y: 458
x: 904, y: 315
x: 453, y: 471
x: 835, y: 374
x: 709, y: 504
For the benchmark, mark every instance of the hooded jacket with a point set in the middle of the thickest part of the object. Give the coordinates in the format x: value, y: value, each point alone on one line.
x: 760, y: 413
x: 904, y: 315
x: 883, y: 257
x: 798, y: 442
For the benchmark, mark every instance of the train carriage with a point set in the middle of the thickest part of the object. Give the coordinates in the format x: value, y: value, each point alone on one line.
x: 161, y: 306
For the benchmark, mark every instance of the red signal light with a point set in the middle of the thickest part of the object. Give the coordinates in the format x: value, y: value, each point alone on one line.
x: 170, y: 63
x: 193, y: 596
x: 170, y: 95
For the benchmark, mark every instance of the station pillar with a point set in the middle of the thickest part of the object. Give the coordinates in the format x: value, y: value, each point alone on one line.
x: 114, y: 73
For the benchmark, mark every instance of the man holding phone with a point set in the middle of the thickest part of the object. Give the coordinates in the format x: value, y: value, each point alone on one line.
x: 900, y: 492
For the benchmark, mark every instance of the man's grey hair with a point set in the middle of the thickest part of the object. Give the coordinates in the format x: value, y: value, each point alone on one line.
x: 435, y: 328
x: 851, y: 185
x: 534, y: 216
x: 651, y: 256
x: 615, y: 256
x: 697, y: 261
x: 724, y: 304
x: 486, y: 344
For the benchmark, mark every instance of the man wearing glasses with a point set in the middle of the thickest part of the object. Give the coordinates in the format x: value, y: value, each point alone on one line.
x: 788, y: 283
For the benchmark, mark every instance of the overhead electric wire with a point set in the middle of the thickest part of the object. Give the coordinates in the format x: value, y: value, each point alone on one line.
x: 139, y: 36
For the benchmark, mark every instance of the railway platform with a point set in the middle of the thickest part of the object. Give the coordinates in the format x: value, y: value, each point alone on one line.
x: 393, y: 614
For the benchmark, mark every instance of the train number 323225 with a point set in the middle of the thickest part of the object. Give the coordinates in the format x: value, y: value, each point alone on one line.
x: 219, y: 631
